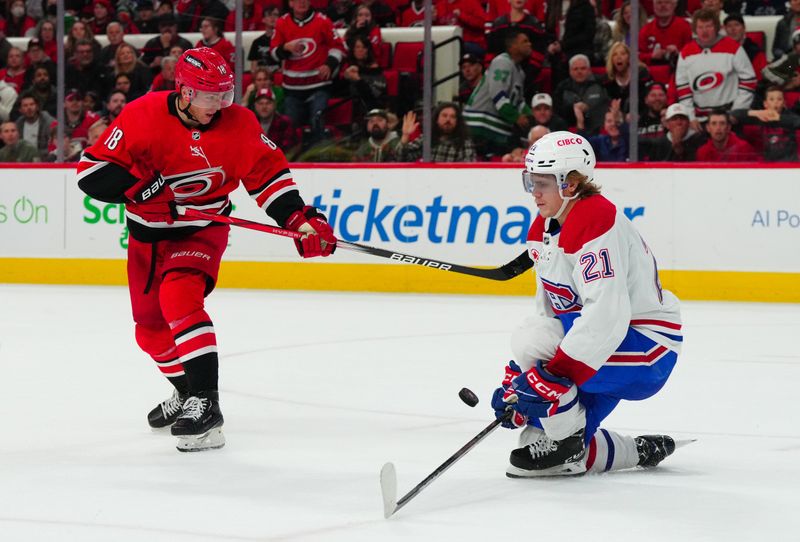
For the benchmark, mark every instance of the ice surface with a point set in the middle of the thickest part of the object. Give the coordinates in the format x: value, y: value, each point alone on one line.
x: 319, y: 390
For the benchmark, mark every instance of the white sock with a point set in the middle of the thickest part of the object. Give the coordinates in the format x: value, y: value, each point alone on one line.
x: 611, y: 451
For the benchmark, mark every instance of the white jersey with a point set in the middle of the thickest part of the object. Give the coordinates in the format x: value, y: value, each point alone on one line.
x: 597, y: 273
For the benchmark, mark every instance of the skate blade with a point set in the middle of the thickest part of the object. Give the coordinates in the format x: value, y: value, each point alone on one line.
x: 685, y: 442
x: 570, y: 469
x: 210, y: 440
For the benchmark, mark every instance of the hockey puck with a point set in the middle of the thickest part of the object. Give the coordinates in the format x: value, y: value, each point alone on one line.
x: 468, y: 396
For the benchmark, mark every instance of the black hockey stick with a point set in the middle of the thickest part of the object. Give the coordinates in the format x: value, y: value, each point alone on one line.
x: 389, y: 475
x: 512, y: 269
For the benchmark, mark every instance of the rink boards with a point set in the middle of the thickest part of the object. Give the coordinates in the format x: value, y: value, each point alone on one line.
x: 719, y: 233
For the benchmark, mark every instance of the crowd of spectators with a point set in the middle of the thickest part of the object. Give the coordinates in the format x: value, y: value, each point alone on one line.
x: 705, y: 88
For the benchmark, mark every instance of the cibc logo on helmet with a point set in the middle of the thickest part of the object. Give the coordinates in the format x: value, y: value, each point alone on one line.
x: 569, y: 141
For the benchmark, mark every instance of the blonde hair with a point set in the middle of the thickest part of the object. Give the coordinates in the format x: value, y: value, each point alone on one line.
x: 585, y: 186
x: 118, y: 67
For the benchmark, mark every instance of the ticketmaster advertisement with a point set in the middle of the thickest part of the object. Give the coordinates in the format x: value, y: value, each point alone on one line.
x: 694, y: 219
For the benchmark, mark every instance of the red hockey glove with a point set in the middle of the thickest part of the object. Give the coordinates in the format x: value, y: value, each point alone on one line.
x: 319, y: 239
x: 153, y: 201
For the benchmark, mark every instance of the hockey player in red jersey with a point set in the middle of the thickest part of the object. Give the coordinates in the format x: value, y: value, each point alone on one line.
x: 603, y: 329
x: 190, y: 149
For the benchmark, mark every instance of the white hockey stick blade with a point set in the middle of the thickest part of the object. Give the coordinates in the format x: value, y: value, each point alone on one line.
x: 685, y: 442
x: 389, y: 489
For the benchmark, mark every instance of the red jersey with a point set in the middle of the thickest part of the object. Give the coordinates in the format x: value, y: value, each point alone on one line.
x: 320, y: 43
x: 202, y: 165
x: 225, y: 48
x: 412, y: 16
x: 15, y: 81
x: 497, y: 8
x: 736, y: 150
x: 652, y: 35
x: 468, y: 14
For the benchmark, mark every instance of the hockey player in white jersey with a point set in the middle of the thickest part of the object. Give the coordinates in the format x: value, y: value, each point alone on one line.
x: 603, y: 330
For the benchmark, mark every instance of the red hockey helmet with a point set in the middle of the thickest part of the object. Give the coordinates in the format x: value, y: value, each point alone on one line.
x: 207, y: 76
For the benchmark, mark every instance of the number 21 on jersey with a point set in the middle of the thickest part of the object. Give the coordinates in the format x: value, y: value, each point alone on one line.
x: 590, y: 261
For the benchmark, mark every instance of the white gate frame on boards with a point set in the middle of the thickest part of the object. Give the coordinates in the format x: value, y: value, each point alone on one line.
x: 719, y: 231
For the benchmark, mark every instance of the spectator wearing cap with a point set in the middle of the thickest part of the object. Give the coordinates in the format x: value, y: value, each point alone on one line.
x: 381, y: 142
x: 192, y: 12
x: 581, y: 92
x: 145, y: 18
x: 450, y: 141
x: 518, y: 17
x: 76, y: 119
x: 158, y: 47
x: 126, y: 62
x: 15, y: 149
x: 18, y: 23
x: 14, y: 72
x: 364, y: 77
x: 277, y: 127
x: 35, y: 58
x: 259, y: 55
x: 681, y: 142
x: 43, y: 90
x: 470, y: 16
x: 8, y: 97
x: 165, y: 79
x: 713, y: 71
x: 655, y: 101
x: 252, y: 17
x: 471, y: 73
x: 542, y: 113
x: 308, y: 73
x: 116, y: 36
x: 498, y: 103
x: 736, y: 30
x: 213, y: 38
x: 33, y: 124
x: 723, y: 145
x: 661, y: 40
x: 262, y: 78
x: 84, y: 72
x: 80, y: 31
x: 103, y: 12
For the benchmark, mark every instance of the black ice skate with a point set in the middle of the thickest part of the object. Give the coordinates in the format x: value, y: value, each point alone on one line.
x: 200, y: 425
x: 167, y: 411
x: 548, y: 457
x: 653, y: 449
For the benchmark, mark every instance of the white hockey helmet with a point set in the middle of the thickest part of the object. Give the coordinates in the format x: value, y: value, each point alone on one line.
x: 558, y: 153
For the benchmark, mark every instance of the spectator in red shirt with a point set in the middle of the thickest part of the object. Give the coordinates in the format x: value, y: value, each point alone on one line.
x: 414, y: 14
x: 661, y: 40
x: 46, y: 32
x: 165, y: 80
x: 498, y: 8
x: 278, y: 127
x: 76, y: 119
x: 362, y: 25
x: 735, y: 29
x: 211, y: 30
x: 18, y: 24
x: 14, y: 72
x: 469, y: 15
x: 252, y: 17
x: 103, y: 14
x: 724, y: 145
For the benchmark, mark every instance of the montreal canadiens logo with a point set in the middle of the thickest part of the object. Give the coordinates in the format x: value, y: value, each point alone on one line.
x: 309, y: 46
x: 707, y: 81
x: 534, y: 255
x: 196, y: 183
x: 562, y: 297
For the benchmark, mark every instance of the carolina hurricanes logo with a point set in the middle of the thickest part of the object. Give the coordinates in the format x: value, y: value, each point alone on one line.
x: 309, y: 47
x: 562, y: 297
x: 196, y: 183
x: 707, y: 81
